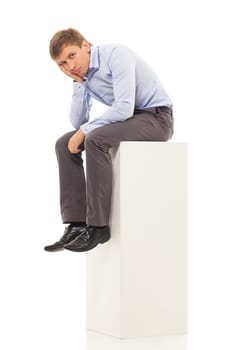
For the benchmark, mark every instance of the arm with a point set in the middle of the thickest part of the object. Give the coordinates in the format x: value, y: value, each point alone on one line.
x: 122, y: 67
x: 79, y: 114
x: 79, y: 111
x: 80, y: 105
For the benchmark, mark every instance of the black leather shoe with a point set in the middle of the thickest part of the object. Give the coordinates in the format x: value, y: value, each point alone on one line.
x: 71, y: 232
x: 88, y: 239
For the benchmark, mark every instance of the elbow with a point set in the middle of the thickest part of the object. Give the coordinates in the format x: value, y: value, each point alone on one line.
x: 125, y: 110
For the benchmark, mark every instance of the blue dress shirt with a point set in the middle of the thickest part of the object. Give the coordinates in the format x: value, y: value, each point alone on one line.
x: 119, y: 78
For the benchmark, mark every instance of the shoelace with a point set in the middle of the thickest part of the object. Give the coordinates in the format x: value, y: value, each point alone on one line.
x: 69, y: 232
x: 84, y: 235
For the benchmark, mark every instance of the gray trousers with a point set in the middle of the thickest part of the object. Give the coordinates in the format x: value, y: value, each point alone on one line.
x: 88, y: 198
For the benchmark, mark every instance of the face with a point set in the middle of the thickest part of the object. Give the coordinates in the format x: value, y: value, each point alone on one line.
x: 74, y: 60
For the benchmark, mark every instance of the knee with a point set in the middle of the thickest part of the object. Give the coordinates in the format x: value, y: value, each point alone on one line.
x: 62, y: 143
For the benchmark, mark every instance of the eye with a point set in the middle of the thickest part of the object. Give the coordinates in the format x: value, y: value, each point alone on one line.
x: 61, y: 63
x: 72, y: 55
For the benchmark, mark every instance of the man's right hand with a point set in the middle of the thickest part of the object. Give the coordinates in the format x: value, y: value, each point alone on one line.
x: 72, y: 76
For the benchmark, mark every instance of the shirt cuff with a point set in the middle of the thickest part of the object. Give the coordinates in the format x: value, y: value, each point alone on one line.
x: 86, y: 128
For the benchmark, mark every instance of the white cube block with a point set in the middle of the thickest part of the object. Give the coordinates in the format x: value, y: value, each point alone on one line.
x: 137, y: 282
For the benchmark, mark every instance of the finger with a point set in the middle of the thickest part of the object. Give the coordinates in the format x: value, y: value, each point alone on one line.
x: 73, y: 149
x: 63, y: 69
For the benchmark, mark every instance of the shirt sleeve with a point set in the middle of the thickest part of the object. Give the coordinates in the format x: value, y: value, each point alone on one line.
x: 122, y: 67
x: 80, y: 105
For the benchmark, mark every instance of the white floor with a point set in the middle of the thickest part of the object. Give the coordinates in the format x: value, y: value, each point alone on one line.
x: 97, y: 341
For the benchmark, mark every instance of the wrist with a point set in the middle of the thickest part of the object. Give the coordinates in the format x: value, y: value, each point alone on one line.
x: 80, y: 135
x: 81, y: 132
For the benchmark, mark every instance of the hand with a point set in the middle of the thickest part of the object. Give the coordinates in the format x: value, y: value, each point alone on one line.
x: 75, y: 141
x: 72, y: 76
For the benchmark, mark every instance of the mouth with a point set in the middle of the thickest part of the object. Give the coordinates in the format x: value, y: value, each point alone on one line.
x: 77, y: 71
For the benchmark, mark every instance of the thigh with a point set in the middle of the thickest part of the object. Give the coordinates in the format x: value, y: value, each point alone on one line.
x: 145, y: 125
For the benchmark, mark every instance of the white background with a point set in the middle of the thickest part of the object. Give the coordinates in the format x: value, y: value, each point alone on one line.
x: 189, y: 44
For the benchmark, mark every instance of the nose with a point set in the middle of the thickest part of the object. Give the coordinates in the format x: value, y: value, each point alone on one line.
x: 70, y: 65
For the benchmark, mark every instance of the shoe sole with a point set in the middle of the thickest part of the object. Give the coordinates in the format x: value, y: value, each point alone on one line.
x: 53, y: 250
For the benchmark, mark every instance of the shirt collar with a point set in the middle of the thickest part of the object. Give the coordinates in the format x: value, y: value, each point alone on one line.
x: 94, y: 62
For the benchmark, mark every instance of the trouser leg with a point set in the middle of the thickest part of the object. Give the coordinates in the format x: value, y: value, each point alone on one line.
x: 72, y: 182
x: 153, y: 124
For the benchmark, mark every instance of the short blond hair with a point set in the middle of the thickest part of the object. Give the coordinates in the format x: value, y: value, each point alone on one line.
x: 62, y: 38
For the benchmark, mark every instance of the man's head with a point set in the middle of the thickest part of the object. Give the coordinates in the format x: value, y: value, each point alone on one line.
x: 71, y: 51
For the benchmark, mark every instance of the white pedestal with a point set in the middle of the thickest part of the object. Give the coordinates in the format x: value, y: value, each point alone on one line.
x: 137, y: 282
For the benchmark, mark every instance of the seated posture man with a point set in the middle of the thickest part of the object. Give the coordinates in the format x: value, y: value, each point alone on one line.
x: 139, y: 110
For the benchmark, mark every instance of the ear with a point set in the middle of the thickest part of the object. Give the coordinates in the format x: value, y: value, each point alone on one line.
x: 86, y: 45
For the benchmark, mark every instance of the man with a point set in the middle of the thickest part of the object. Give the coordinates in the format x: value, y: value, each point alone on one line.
x: 139, y: 110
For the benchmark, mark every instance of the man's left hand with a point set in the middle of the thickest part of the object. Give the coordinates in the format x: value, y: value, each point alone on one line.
x: 75, y: 141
